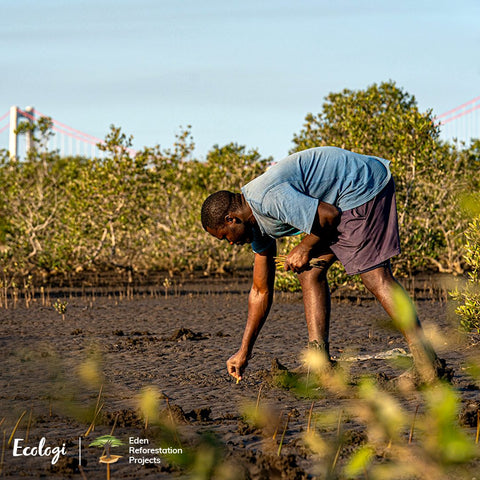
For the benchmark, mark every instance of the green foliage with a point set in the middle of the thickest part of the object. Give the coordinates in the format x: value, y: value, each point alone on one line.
x: 134, y: 213
x: 405, y: 316
x: 40, y: 132
x: 444, y: 440
x: 32, y: 206
x: 429, y: 443
x: 359, y: 462
x: 141, y: 213
x: 300, y: 385
x: 180, y: 188
x: 287, y: 282
x: 469, y: 310
x: 108, y: 201
x: 383, y: 120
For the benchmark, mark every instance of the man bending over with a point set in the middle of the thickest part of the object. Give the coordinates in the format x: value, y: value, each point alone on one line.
x: 345, y: 204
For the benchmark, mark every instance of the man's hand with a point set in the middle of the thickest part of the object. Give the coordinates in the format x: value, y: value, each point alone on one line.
x: 297, y: 260
x: 259, y: 303
x: 323, y: 229
x: 236, y: 364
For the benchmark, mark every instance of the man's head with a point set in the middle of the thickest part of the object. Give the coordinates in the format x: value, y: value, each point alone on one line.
x: 227, y: 216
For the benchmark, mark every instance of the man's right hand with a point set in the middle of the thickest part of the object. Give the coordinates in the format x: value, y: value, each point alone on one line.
x: 236, y: 364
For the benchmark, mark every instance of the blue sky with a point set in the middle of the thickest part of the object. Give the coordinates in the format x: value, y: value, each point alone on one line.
x: 245, y: 71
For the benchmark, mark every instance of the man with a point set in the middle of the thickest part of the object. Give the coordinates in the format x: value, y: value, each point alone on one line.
x: 345, y: 204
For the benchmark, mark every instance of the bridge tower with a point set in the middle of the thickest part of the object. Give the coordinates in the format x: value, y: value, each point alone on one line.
x: 15, y: 115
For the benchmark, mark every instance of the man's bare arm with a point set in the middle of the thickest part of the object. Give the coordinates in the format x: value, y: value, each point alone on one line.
x: 259, y: 302
x: 323, y: 228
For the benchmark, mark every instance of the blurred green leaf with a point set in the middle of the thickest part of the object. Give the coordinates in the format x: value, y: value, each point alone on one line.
x: 359, y: 462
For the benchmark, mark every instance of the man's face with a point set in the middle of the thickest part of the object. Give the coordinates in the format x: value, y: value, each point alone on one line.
x: 235, y: 232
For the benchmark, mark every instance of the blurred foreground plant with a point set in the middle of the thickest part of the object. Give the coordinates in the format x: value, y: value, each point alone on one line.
x: 200, y: 459
x: 469, y: 310
x: 440, y: 447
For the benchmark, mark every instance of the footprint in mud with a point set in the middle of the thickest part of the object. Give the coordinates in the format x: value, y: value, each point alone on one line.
x: 470, y: 414
x: 183, y: 334
x: 267, y: 467
x: 123, y: 418
x: 244, y: 428
x: 174, y: 413
x: 133, y: 341
x: 351, y: 441
x: 278, y: 376
x: 200, y: 414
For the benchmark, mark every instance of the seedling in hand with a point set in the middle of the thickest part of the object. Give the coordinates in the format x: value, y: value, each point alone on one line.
x: 313, y: 263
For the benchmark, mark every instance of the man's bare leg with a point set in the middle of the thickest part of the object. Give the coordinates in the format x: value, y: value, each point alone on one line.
x: 383, y: 284
x: 316, y: 301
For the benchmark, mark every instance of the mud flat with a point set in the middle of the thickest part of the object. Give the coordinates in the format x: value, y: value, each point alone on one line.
x: 60, y: 373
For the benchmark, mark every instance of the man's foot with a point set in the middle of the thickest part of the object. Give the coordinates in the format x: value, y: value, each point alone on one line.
x: 323, y: 348
x: 319, y: 346
x: 443, y: 371
x: 408, y: 380
x: 411, y: 378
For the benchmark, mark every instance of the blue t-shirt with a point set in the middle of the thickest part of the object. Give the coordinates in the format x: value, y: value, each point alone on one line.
x: 285, y: 198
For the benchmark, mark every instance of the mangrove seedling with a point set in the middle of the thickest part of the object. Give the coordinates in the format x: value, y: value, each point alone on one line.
x: 166, y: 285
x: 61, y: 308
x: 314, y: 263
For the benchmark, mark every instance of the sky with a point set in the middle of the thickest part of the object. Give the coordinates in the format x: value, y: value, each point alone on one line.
x: 244, y: 71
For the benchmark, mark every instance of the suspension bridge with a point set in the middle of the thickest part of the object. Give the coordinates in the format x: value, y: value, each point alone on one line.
x: 68, y: 141
x: 462, y: 123
x: 459, y: 124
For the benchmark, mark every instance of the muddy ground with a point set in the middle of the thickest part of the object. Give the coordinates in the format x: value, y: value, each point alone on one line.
x: 111, y: 344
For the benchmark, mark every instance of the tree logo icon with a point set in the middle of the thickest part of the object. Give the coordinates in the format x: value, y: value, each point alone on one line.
x: 107, y: 442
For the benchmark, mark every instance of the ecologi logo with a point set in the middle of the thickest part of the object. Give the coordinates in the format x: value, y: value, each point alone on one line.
x: 107, y: 442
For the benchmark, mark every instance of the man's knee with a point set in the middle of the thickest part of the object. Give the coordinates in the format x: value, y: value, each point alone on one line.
x: 312, y: 276
x: 317, y: 274
x: 378, y: 278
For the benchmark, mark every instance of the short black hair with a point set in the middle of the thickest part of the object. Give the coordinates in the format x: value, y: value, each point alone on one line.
x: 217, y: 206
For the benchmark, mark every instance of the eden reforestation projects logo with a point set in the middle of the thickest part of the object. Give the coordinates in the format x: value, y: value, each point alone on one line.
x: 139, y: 451
x: 135, y: 451
x: 107, y: 442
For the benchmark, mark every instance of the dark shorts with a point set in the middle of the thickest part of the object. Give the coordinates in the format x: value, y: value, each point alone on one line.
x: 368, y: 235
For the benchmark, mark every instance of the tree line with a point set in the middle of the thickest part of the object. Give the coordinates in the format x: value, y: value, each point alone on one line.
x: 142, y: 213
